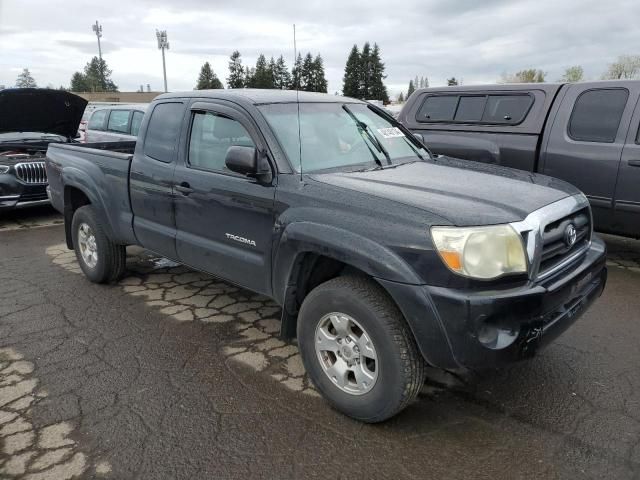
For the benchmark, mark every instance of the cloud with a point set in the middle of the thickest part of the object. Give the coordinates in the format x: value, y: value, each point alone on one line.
x: 472, y: 40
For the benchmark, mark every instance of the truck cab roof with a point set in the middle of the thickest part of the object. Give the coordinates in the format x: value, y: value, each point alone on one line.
x: 255, y: 96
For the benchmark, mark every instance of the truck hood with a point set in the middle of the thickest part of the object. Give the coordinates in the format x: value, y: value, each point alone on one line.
x: 40, y: 110
x: 460, y: 191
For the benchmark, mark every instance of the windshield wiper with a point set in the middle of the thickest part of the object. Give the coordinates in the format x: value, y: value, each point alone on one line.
x: 363, y: 127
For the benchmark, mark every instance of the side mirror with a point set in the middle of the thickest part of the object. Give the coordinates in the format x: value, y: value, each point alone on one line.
x: 419, y: 137
x: 247, y: 161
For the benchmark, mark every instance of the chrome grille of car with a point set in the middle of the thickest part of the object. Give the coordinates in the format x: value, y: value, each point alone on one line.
x: 544, y: 235
x: 31, y: 172
x: 555, y: 246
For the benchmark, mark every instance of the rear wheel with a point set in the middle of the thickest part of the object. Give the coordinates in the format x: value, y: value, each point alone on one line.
x: 100, y: 259
x: 358, y: 349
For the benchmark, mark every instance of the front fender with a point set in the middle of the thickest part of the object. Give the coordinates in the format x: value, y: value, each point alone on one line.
x: 352, y: 249
x: 388, y: 269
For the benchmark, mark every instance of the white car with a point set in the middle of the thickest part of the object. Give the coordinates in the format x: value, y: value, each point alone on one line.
x: 115, y: 123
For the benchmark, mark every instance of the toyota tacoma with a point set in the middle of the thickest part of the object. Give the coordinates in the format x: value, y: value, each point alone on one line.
x: 383, y: 257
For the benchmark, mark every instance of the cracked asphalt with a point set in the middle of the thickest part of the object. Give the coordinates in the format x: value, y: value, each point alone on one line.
x: 174, y: 374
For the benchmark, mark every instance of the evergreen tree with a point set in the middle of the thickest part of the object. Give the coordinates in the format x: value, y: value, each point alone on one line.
x: 421, y: 82
x: 281, y: 75
x: 364, y: 90
x: 208, y: 79
x: 306, y: 73
x: 401, y: 97
x: 411, y: 89
x: 79, y: 83
x: 236, y: 71
x: 261, y: 76
x: 296, y: 73
x: 25, y: 80
x: 377, y: 91
x: 95, y: 78
x: 426, y: 82
x: 249, y: 73
x: 318, y: 79
x: 416, y: 83
x: 351, y: 79
x: 452, y: 82
x: 272, y: 71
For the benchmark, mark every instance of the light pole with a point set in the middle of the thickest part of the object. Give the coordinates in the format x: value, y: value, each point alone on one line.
x: 97, y: 28
x: 163, y: 45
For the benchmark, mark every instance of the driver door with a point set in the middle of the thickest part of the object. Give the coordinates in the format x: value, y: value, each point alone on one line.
x: 224, y: 220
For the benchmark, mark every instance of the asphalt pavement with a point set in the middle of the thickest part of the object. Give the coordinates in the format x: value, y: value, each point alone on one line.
x: 174, y: 374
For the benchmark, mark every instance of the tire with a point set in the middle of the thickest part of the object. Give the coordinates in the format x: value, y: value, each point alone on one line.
x: 109, y: 262
x: 391, y: 380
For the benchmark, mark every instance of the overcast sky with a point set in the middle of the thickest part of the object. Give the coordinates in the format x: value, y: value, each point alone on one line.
x: 473, y: 40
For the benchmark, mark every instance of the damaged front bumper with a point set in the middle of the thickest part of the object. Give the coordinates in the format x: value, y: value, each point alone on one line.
x: 481, y: 329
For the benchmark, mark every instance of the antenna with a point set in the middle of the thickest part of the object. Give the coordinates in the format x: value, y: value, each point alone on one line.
x: 297, y: 85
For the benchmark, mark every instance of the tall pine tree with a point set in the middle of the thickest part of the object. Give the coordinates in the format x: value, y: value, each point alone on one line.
x: 296, y: 73
x: 364, y: 74
x: 208, y: 79
x: 351, y: 79
x: 306, y: 73
x: 364, y: 90
x: 318, y: 78
x: 377, y: 90
x: 25, y: 80
x: 281, y: 75
x: 261, y: 76
x: 236, y: 71
x: 412, y: 89
x: 95, y: 78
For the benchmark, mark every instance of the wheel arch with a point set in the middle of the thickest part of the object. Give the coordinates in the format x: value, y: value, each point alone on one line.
x: 309, y: 254
x: 79, y: 190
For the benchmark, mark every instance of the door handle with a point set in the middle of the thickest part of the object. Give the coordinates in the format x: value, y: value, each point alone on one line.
x: 634, y: 163
x: 184, y: 188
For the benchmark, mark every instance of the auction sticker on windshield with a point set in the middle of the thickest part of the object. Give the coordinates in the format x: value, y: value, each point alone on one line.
x: 391, y: 132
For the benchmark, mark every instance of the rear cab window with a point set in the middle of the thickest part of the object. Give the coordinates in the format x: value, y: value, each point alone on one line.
x: 487, y: 109
x: 136, y: 121
x: 119, y: 121
x: 163, y: 131
x: 97, y: 120
x: 596, y: 115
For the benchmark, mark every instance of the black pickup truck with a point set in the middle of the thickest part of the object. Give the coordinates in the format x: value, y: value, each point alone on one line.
x: 586, y: 133
x: 382, y: 257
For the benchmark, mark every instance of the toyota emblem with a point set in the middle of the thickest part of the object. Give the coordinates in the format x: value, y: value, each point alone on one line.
x: 570, y: 235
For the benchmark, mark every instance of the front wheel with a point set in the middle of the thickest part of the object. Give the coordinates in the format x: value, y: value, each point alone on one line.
x: 100, y: 259
x: 358, y: 349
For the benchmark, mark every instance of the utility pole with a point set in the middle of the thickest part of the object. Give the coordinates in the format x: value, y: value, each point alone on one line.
x: 163, y: 45
x: 97, y: 28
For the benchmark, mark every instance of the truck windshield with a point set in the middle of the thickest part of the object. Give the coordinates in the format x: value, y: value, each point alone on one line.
x: 335, y: 135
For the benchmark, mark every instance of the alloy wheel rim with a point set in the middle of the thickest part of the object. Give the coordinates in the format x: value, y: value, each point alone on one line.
x: 88, y: 246
x: 346, y: 353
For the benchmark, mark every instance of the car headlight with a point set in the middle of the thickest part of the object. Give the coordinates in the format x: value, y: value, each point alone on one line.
x: 480, y: 252
x: 4, y: 168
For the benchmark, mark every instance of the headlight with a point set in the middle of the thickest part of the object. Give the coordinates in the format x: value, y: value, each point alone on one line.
x: 480, y: 252
x: 4, y: 168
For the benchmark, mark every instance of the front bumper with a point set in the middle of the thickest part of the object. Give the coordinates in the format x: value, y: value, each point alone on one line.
x: 15, y: 194
x: 479, y: 329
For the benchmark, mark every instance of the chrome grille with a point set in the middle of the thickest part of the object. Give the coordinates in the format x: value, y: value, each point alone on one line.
x: 543, y: 233
x: 31, y: 172
x: 554, y: 244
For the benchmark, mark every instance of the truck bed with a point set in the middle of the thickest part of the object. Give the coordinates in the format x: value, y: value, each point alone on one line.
x: 101, y: 167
